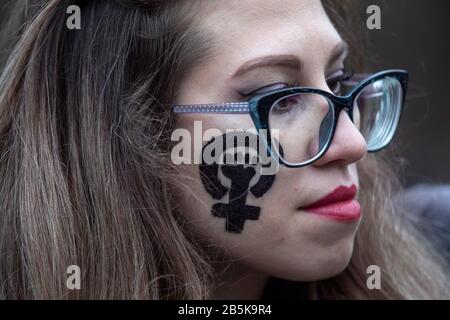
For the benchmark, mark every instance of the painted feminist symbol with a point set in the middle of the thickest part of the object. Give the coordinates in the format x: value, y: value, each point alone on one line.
x: 236, y: 211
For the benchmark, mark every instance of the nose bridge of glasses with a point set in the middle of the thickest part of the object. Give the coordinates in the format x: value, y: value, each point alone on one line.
x: 343, y: 103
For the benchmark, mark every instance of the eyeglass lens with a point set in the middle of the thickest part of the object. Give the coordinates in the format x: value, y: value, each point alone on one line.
x: 303, y: 123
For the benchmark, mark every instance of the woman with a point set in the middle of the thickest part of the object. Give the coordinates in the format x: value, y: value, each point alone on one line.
x: 87, y: 176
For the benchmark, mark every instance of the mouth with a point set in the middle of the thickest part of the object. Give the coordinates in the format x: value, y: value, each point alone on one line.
x: 340, y: 204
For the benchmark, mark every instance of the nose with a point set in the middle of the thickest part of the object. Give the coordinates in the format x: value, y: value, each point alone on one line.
x: 348, y: 144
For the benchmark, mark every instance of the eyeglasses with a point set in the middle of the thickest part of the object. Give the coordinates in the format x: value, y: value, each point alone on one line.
x: 304, y: 119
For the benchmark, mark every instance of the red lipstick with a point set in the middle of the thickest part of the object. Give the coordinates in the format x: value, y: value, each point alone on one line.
x: 339, y: 205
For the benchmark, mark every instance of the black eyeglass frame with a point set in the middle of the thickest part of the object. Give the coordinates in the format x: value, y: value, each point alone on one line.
x: 260, y: 106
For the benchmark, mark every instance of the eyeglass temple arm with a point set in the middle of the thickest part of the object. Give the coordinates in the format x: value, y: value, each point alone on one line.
x: 230, y: 107
x: 242, y: 107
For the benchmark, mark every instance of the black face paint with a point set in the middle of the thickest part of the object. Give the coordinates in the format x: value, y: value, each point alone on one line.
x: 236, y: 211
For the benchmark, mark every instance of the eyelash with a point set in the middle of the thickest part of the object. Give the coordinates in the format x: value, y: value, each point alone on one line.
x: 336, y: 80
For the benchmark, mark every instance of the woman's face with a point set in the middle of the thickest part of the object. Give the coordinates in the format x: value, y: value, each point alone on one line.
x: 274, y: 235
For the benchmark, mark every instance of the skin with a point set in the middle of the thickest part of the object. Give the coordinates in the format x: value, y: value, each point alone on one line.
x: 284, y: 241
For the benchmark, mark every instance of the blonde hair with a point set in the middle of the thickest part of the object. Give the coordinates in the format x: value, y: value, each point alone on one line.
x: 86, y: 176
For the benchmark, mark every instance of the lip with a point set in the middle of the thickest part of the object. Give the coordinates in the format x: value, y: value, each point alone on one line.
x: 338, y: 205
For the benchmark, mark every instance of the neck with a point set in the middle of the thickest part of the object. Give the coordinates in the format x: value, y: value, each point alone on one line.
x: 237, y: 281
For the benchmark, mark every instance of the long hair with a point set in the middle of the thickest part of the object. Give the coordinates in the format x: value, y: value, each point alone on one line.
x: 412, y: 266
x: 86, y: 176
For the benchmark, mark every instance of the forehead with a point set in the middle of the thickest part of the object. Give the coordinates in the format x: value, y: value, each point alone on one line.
x: 246, y: 23
x: 254, y: 10
x: 245, y: 29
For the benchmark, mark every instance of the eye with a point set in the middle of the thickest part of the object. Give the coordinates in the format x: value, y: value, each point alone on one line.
x: 289, y: 103
x: 335, y: 81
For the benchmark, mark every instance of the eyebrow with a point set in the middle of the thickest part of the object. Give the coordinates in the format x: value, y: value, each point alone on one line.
x: 287, y: 60
x: 283, y: 60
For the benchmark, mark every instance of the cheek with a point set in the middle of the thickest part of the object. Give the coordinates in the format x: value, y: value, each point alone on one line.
x: 231, y: 204
x: 228, y: 225
x: 254, y: 219
x: 233, y: 185
x: 224, y: 216
x: 278, y: 243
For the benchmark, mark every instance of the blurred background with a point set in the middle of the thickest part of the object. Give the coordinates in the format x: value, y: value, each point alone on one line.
x: 415, y: 35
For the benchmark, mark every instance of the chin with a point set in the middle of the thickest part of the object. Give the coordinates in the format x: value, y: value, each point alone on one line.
x: 322, y: 265
x: 332, y: 267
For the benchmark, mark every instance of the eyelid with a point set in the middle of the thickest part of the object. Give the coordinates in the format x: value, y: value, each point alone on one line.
x: 337, y: 74
x: 338, y: 78
x: 261, y: 89
x: 273, y: 86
